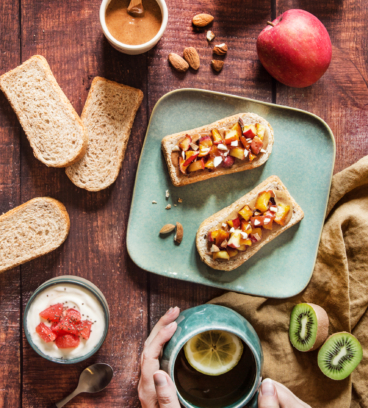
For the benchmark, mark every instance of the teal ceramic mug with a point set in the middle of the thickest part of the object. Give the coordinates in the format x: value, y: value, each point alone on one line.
x: 213, y: 317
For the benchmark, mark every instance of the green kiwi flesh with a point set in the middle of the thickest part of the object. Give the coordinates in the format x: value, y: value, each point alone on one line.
x: 304, y: 331
x: 340, y: 355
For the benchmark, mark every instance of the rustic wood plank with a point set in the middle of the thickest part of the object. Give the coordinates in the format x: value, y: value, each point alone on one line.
x: 69, y: 36
x: 10, y: 285
x: 236, y: 23
x: 340, y: 96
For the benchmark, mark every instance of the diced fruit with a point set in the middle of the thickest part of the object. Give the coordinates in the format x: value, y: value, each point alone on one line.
x: 232, y: 252
x: 221, y: 236
x: 214, y: 152
x: 237, y: 152
x: 190, y: 157
x: 198, y: 165
x: 256, y: 235
x: 53, y: 313
x: 263, y: 199
x: 185, y: 143
x: 257, y: 221
x: 210, y: 163
x: 238, y: 129
x: 234, y: 241
x: 67, y: 341
x: 260, y: 130
x: 242, y: 248
x: 256, y: 145
x: 73, y: 315
x: 228, y: 162
x: 246, y: 212
x: 246, y: 227
x: 252, y: 156
x: 211, y: 236
x: 183, y: 168
x: 246, y: 242
x: 205, y: 144
x: 45, y: 333
x: 268, y: 220
x: 84, y: 328
x: 231, y: 136
x: 234, y: 223
x: 65, y: 326
x: 249, y: 131
x: 221, y: 255
x: 216, y: 136
x: 244, y: 142
x: 282, y: 212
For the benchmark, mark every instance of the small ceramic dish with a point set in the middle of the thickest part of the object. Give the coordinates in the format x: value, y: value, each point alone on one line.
x: 133, y: 49
x: 96, y: 300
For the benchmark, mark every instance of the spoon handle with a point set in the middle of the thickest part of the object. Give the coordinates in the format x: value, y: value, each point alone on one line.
x: 67, y: 399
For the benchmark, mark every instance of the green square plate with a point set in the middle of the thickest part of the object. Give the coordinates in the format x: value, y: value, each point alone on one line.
x: 303, y: 157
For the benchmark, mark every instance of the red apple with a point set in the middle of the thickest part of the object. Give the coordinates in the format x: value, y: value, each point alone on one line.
x: 295, y: 48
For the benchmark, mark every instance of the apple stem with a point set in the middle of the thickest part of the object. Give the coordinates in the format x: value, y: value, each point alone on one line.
x: 270, y: 23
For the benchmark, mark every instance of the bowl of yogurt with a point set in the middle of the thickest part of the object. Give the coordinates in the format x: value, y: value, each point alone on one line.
x: 66, y: 320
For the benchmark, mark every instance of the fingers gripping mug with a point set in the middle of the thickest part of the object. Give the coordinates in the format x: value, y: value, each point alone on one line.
x: 233, y: 389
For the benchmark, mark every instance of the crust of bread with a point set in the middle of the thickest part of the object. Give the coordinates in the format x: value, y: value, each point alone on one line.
x: 63, y: 215
x: 272, y: 182
x: 179, y: 179
x: 70, y: 171
x: 68, y: 106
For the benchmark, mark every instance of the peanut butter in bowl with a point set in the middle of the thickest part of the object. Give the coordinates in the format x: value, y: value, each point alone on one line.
x: 132, y: 29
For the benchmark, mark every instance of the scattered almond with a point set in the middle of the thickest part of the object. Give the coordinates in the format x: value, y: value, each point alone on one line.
x: 224, y: 244
x: 179, y: 233
x: 178, y: 62
x: 201, y: 20
x: 220, y: 49
x: 167, y: 194
x: 192, y: 57
x: 215, y: 248
x: 210, y: 36
x: 168, y: 207
x: 194, y: 146
x: 176, y: 149
x: 217, y: 65
x: 154, y: 202
x: 167, y: 228
x: 180, y: 200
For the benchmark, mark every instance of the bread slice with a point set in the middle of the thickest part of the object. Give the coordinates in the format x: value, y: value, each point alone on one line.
x: 271, y: 183
x: 108, y: 116
x: 53, y: 128
x: 35, y: 228
x: 170, y: 142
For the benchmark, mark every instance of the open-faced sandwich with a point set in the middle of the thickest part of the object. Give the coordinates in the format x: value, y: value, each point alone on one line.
x: 236, y: 143
x: 231, y: 236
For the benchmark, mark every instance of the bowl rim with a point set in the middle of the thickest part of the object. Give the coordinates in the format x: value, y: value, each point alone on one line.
x: 71, y: 280
x: 141, y: 47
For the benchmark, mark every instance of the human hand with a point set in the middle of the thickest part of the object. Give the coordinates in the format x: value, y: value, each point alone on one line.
x: 155, y: 388
x: 275, y: 395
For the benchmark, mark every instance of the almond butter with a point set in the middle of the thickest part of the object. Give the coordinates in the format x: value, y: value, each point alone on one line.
x: 178, y: 62
x: 179, y: 233
x: 201, y: 20
x: 217, y: 65
x: 192, y: 57
x: 167, y: 228
x: 220, y: 49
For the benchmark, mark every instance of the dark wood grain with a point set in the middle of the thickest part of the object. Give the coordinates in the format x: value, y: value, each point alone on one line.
x: 10, y: 284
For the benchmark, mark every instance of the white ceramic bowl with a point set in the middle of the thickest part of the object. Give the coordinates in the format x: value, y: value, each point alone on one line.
x: 133, y: 49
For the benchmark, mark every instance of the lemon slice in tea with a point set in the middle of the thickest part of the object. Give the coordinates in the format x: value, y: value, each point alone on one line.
x: 213, y: 352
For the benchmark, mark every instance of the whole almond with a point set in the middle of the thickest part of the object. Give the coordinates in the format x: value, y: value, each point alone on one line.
x: 178, y: 62
x: 220, y: 49
x: 201, y: 20
x: 217, y: 65
x: 192, y: 57
x: 167, y: 228
x: 179, y: 233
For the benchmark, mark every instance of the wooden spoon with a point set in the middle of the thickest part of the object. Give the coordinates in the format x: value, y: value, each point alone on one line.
x: 135, y: 8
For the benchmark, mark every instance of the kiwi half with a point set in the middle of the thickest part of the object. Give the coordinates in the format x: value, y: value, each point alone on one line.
x: 308, y: 326
x: 340, y: 355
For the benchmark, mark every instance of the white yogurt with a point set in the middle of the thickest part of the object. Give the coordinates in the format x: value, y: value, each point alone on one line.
x: 72, y: 296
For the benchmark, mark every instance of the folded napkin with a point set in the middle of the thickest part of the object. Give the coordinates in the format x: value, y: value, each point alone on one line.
x: 339, y: 284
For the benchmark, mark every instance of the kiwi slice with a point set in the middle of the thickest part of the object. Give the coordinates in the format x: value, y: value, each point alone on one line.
x: 308, y: 326
x: 340, y: 355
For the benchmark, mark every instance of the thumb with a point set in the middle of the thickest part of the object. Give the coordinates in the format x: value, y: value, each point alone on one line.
x: 165, y: 390
x: 268, y: 395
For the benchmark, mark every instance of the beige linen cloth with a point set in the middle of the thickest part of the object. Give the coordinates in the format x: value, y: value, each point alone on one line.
x: 339, y: 284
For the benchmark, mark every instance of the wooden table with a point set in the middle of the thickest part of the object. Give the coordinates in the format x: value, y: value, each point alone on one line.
x: 68, y: 34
